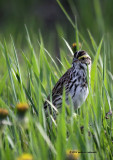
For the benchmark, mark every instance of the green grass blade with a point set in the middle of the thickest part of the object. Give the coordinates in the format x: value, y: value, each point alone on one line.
x: 18, y: 73
x: 108, y: 97
x: 30, y: 99
x: 94, y: 66
x: 92, y: 41
x: 3, y: 82
x: 9, y: 70
x: 46, y: 138
x: 68, y: 46
x: 77, y: 37
x: 68, y: 17
x: 34, y: 61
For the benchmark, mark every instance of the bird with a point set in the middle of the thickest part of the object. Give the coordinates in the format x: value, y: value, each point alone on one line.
x: 74, y: 81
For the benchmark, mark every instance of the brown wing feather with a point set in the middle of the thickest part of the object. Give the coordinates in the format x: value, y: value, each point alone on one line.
x: 58, y: 88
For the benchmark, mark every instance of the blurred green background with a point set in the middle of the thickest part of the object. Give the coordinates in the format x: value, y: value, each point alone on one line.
x: 46, y: 16
x: 30, y: 77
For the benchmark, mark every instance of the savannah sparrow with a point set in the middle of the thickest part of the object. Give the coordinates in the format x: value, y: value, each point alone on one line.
x: 75, y: 81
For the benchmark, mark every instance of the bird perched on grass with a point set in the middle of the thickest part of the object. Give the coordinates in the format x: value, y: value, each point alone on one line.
x: 75, y: 82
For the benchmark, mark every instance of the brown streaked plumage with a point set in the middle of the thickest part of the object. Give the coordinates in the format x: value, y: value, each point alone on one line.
x: 74, y: 81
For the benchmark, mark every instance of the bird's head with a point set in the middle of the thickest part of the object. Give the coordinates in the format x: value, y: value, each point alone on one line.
x: 83, y: 57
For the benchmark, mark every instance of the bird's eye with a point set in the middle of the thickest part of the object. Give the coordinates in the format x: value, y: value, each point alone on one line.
x: 83, y: 58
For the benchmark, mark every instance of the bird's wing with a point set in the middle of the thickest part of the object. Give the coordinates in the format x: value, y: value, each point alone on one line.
x: 58, y: 88
x: 62, y: 82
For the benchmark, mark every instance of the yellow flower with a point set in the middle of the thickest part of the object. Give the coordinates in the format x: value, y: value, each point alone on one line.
x: 74, y: 47
x: 72, y: 155
x: 22, y: 108
x: 3, y: 113
x: 25, y: 156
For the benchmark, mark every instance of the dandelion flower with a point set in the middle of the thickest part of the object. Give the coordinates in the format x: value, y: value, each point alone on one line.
x: 22, y: 108
x: 3, y: 113
x: 74, y: 47
x: 25, y: 156
x: 72, y: 155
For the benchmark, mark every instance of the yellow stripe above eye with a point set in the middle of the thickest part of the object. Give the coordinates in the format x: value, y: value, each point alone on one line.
x: 84, y: 56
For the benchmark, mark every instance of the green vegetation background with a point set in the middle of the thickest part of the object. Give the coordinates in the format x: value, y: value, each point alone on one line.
x: 35, y: 41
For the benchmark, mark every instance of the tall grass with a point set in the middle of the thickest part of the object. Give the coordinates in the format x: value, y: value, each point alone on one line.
x: 90, y: 130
